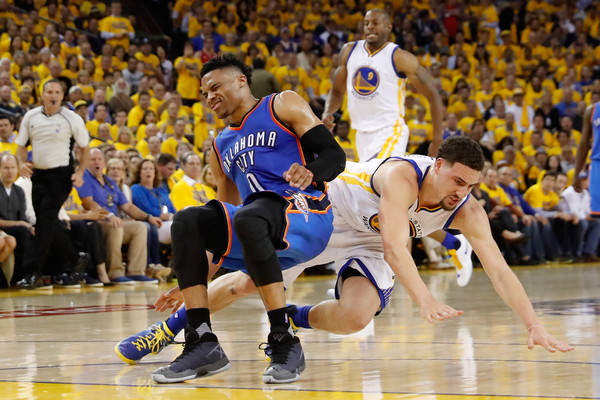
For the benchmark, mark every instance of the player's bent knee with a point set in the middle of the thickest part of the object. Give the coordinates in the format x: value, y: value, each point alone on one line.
x: 248, y: 225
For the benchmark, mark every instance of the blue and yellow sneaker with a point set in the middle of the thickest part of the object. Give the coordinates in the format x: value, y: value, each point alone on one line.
x: 149, y: 341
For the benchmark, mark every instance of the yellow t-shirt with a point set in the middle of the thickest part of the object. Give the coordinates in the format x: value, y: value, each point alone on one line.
x: 497, y: 194
x: 183, y: 195
x: 188, y: 83
x: 73, y: 203
x: 419, y: 133
x: 117, y: 25
x: 538, y: 199
x: 169, y: 146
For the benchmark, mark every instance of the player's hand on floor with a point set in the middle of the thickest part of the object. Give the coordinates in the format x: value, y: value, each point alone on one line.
x: 538, y: 335
x: 435, y: 310
x: 171, y: 299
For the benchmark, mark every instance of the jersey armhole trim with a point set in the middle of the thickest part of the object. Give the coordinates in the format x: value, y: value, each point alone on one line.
x: 400, y: 75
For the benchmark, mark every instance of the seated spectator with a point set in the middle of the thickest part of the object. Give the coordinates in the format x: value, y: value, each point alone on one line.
x: 7, y: 135
x: 151, y: 198
x: 542, y: 242
x: 124, y: 139
x: 7, y: 258
x: 167, y: 164
x: 86, y: 233
x: 504, y: 213
x: 542, y: 198
x: 100, y: 191
x: 584, y: 231
x: 190, y: 191
x: 169, y: 146
x: 208, y: 178
x: 13, y: 219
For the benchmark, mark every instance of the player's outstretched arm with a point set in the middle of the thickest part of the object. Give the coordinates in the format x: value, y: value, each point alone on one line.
x: 423, y: 81
x: 335, y: 98
x: 397, y: 184
x: 472, y: 220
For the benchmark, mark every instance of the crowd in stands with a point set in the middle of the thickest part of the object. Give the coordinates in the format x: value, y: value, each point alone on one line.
x: 515, y: 76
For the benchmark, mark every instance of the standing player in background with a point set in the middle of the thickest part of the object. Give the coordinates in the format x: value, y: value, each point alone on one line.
x: 373, y: 72
x: 590, y: 133
x: 264, y: 160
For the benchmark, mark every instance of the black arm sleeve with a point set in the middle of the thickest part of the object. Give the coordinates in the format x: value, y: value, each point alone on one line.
x: 331, y: 158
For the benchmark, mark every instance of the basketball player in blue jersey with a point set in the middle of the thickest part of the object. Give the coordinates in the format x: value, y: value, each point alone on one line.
x: 271, y: 213
x: 404, y: 196
x: 590, y: 134
x: 374, y: 72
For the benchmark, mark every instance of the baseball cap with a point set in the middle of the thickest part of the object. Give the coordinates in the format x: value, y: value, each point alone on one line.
x: 80, y: 103
x: 75, y: 88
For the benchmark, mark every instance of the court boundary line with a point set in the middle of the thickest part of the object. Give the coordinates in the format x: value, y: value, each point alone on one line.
x: 296, y: 389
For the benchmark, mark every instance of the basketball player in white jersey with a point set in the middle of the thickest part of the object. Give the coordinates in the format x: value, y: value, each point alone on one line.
x: 373, y: 72
x: 378, y: 205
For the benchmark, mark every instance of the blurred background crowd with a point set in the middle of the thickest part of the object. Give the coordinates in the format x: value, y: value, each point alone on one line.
x: 514, y: 75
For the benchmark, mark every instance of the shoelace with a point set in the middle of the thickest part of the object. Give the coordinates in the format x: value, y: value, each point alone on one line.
x: 153, y: 341
x: 279, y: 352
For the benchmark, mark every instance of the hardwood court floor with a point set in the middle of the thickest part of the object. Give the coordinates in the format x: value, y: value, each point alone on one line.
x: 60, y: 345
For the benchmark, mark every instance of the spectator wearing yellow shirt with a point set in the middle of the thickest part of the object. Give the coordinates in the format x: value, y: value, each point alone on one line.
x: 472, y: 113
x: 169, y: 146
x: 134, y: 118
x: 115, y: 29
x: 149, y: 117
x: 124, y: 139
x: 544, y: 201
x: 69, y: 45
x: 102, y: 136
x: 536, y: 144
x: 190, y: 191
x: 252, y: 37
x: 154, y: 145
x: 341, y: 133
x: 150, y: 60
x: 421, y: 132
x: 538, y: 126
x: 167, y: 126
x: 509, y: 129
x: 188, y: 83
x: 292, y: 77
x: 100, y: 117
x: 143, y: 145
x: 499, y: 115
x: 7, y: 135
x: 459, y: 105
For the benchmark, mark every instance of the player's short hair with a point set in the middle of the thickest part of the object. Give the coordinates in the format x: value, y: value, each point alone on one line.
x: 463, y: 150
x: 226, y: 61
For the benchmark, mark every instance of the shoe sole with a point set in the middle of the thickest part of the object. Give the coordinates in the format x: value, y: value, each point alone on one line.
x: 272, y: 379
x: 123, y: 358
x: 201, y: 372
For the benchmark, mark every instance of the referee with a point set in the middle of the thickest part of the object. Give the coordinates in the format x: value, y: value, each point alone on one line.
x: 51, y: 130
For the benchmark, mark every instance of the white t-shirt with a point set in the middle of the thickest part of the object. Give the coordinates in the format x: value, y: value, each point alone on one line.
x: 50, y: 136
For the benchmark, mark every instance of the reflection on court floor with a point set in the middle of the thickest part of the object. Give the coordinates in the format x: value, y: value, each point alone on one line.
x: 59, y: 345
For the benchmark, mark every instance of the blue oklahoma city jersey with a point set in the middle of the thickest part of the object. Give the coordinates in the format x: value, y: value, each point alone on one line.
x: 257, y: 153
x: 254, y: 156
x: 595, y: 156
x: 594, y: 177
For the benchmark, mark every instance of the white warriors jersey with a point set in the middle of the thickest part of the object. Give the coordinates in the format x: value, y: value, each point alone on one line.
x: 356, y: 200
x: 375, y: 90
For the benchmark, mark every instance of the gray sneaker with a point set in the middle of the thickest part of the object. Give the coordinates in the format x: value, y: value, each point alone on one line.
x: 198, y: 359
x: 287, y: 358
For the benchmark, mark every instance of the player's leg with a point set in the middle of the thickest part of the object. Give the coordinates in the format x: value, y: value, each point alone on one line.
x: 194, y: 231
x: 259, y: 226
x: 356, y: 307
x: 460, y: 250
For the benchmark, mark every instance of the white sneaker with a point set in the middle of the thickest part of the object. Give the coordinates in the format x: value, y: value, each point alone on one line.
x: 462, y: 261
